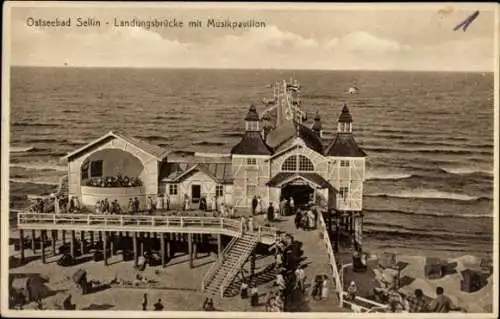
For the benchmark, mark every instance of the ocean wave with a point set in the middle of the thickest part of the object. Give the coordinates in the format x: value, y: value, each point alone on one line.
x: 20, y: 149
x: 384, y: 233
x: 429, y: 214
x: 383, y: 175
x: 231, y: 134
x: 465, y: 171
x: 430, y: 194
x: 427, y: 151
x: 36, y: 180
x: 40, y: 166
x: 35, y: 124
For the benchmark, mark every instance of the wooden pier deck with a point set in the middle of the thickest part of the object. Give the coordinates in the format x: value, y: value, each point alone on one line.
x: 143, y: 223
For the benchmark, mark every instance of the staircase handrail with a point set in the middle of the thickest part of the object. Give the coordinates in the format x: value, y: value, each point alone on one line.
x: 235, y: 268
x: 211, y: 272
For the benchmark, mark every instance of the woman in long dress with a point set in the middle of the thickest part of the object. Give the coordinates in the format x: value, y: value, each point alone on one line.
x: 324, y: 288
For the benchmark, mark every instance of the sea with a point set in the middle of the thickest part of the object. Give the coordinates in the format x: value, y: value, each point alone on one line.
x: 428, y: 135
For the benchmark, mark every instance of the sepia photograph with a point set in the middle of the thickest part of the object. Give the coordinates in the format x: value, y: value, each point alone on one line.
x: 234, y: 159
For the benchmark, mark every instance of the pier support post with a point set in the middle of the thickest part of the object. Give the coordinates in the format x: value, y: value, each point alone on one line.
x: 219, y: 245
x: 82, y: 241
x: 163, y: 252
x: 134, y: 239
x: 63, y: 236
x: 99, y: 234
x: 21, y: 243
x: 190, y: 250
x: 169, y: 248
x: 73, y: 240
x: 33, y: 247
x: 42, y: 245
x: 111, y: 244
x: 54, y: 240
x: 141, y: 251
x: 105, y: 248
x: 92, y: 238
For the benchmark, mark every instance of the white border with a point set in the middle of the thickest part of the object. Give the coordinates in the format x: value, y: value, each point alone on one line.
x: 241, y: 6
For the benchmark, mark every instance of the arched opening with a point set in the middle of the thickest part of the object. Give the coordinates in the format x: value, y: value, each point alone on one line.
x: 111, y: 168
x: 296, y: 163
x: 302, y: 194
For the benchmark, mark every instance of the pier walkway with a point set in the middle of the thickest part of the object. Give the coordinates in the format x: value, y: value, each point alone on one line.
x: 146, y: 224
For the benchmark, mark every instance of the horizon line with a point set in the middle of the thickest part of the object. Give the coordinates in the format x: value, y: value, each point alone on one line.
x: 245, y: 69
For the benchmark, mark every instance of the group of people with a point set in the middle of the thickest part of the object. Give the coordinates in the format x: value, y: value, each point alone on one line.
x: 158, y: 306
x: 287, y: 206
x: 306, y: 219
x: 114, y: 181
x: 250, y: 290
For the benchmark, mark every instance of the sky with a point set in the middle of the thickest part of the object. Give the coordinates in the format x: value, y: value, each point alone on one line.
x: 304, y: 37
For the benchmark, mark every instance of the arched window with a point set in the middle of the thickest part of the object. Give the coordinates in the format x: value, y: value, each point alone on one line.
x: 297, y: 163
x: 290, y: 164
x: 305, y: 164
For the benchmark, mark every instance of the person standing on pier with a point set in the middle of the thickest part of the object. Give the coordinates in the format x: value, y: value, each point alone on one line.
x: 130, y: 208
x: 137, y: 204
x: 167, y: 199
x: 186, y: 202
x: 150, y: 205
x: 255, y: 203
x: 258, y: 209
x: 292, y: 205
x: 270, y: 212
x: 106, y: 206
x: 145, y: 302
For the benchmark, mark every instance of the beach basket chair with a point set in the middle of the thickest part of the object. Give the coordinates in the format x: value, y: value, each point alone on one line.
x: 433, y: 268
x: 387, y: 260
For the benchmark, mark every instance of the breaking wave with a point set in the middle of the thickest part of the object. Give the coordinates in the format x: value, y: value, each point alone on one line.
x: 430, y: 194
x: 382, y: 175
x: 40, y: 166
x: 21, y: 149
x: 430, y: 214
x: 466, y: 171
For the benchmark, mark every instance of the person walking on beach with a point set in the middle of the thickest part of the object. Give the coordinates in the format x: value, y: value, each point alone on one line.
x: 145, y: 302
x: 442, y: 303
x: 417, y: 303
x: 158, y: 305
x: 255, y: 203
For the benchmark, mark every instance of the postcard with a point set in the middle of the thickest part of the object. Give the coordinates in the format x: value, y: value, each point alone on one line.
x: 189, y: 159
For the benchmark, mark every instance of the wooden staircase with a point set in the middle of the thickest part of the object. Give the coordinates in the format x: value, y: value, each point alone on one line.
x: 220, y: 276
x: 63, y: 188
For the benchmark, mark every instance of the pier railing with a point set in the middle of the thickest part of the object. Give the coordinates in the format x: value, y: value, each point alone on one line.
x: 333, y: 264
x: 211, y: 273
x: 186, y: 224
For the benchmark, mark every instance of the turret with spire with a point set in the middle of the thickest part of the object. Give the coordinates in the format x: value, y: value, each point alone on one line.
x: 345, y: 121
x: 252, y: 142
x: 317, y: 126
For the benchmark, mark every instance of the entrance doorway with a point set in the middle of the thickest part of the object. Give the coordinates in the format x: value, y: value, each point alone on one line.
x: 302, y: 194
x: 195, y: 193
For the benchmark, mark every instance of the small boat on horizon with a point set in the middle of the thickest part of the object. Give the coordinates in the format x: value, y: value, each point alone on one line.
x: 353, y: 90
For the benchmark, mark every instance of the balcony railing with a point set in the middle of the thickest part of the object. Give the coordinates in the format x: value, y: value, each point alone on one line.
x: 220, y: 225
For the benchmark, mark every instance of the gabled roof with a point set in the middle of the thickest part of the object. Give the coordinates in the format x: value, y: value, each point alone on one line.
x: 177, y: 172
x: 344, y: 145
x: 287, y: 177
x: 252, y: 144
x: 280, y: 137
x: 155, y: 151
